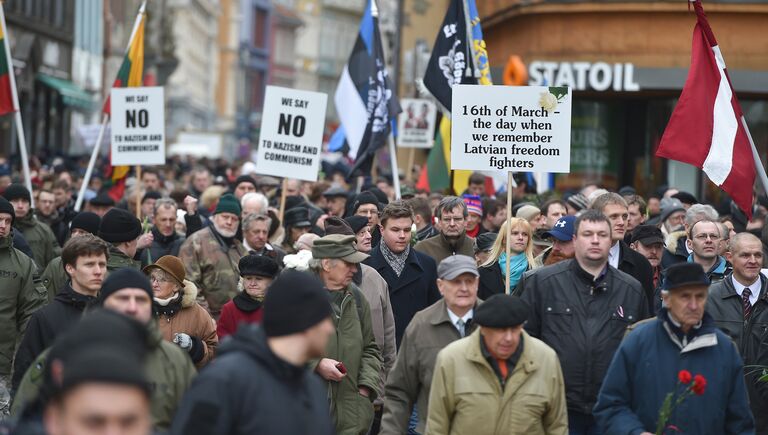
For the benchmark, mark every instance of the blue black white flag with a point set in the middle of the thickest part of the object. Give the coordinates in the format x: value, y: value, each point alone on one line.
x: 365, y: 100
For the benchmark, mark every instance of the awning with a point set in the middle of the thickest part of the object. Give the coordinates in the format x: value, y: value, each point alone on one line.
x: 71, y: 94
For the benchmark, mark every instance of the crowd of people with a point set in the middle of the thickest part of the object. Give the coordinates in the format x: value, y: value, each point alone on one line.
x: 242, y: 304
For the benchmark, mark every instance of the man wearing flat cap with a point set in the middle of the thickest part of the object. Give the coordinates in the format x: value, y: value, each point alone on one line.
x: 499, y: 379
x: 352, y: 352
x: 648, y: 241
x: 651, y: 361
x: 445, y: 321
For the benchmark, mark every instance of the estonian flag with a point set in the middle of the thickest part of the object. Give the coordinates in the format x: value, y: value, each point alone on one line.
x: 365, y: 100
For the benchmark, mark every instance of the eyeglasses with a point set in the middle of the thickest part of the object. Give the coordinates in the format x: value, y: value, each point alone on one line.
x: 703, y: 237
x: 159, y: 279
x: 451, y: 219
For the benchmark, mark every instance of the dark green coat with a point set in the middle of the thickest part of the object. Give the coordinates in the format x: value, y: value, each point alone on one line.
x: 40, y: 238
x: 54, y: 277
x: 20, y: 296
x: 118, y: 260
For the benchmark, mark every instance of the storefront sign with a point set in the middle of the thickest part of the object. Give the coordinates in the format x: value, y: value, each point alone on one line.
x: 511, y: 128
x: 291, y: 133
x: 138, y: 126
x: 582, y: 76
x: 416, y: 123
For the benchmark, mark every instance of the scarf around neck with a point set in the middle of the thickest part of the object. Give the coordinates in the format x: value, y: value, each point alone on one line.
x: 395, y: 261
x: 517, y: 266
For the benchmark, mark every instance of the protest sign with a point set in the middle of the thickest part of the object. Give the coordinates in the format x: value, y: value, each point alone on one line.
x: 138, y: 126
x: 416, y: 124
x: 511, y: 128
x: 291, y: 133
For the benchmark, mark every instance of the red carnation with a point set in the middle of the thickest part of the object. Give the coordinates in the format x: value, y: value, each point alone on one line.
x: 699, y: 385
x: 684, y: 376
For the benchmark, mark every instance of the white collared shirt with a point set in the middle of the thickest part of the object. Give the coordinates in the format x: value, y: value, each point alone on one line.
x: 454, y: 319
x: 754, y: 288
x: 613, y: 255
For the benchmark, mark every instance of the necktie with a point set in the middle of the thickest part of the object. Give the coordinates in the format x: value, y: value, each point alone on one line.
x: 460, y: 324
x: 746, y: 303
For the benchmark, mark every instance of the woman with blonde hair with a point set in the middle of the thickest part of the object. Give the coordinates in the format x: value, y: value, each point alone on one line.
x: 494, y: 271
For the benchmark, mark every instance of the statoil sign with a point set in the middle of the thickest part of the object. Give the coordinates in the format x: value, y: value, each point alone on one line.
x: 583, y: 76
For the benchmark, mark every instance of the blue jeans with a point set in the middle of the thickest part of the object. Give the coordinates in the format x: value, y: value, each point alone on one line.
x: 582, y: 424
x: 413, y: 422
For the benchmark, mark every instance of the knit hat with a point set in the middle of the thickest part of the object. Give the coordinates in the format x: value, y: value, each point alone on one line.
x: 7, y: 207
x: 484, y: 242
x: 123, y: 279
x: 502, y: 311
x: 86, y: 221
x: 258, y: 265
x: 106, y: 364
x: 228, y: 204
x: 338, y: 246
x: 152, y: 194
x: 577, y: 201
x: 17, y: 191
x: 357, y: 223
x: 336, y: 225
x: 102, y: 200
x: 527, y: 212
x: 379, y: 194
x: 119, y: 226
x: 244, y: 179
x: 669, y: 206
x: 295, y: 302
x: 474, y: 205
x: 686, y: 198
x: 364, y: 198
x: 171, y: 265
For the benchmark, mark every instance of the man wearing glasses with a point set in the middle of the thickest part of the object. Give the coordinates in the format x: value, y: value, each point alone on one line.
x: 453, y: 239
x: 704, y: 242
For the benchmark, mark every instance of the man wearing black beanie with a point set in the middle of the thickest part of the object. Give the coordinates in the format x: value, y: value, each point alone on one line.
x: 21, y: 298
x: 40, y: 237
x: 121, y: 230
x: 267, y: 365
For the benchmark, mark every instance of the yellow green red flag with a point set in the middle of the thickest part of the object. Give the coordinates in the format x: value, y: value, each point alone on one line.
x: 6, y: 94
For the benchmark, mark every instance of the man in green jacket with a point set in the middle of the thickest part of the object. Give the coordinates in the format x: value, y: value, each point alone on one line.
x: 452, y: 213
x: 353, y: 362
x: 168, y: 368
x: 121, y: 230
x: 40, y: 237
x: 21, y: 298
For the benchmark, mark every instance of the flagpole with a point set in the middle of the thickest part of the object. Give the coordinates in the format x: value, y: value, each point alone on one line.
x: 105, y: 118
x: 756, y: 157
x: 17, y: 109
x: 393, y: 161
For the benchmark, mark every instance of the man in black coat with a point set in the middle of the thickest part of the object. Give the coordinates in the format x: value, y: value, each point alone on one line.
x: 411, y: 275
x: 165, y: 240
x: 621, y: 256
x: 85, y: 261
x: 266, y: 365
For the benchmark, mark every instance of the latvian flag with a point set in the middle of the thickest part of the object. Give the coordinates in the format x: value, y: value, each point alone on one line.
x: 365, y: 100
x: 131, y: 72
x: 706, y: 128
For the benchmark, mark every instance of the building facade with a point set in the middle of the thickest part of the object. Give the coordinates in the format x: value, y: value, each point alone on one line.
x: 626, y: 63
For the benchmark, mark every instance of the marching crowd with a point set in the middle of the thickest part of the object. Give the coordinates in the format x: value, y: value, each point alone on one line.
x: 242, y: 304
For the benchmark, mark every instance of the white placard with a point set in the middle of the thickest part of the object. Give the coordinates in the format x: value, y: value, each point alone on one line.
x: 511, y: 128
x: 138, y: 126
x: 416, y: 123
x: 291, y: 133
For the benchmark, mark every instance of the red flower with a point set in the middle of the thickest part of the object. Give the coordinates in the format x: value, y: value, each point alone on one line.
x: 699, y: 385
x: 684, y: 376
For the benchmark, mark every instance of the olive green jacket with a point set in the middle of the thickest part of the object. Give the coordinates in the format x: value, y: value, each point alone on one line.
x: 212, y: 266
x: 20, y: 296
x: 41, y: 239
x: 118, y: 260
x: 169, y: 370
x: 354, y: 345
x: 54, y: 277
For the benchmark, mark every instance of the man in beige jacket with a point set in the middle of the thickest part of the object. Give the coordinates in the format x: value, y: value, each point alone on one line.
x: 499, y: 380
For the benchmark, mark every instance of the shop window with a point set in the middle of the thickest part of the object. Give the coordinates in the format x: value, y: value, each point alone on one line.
x: 260, y: 28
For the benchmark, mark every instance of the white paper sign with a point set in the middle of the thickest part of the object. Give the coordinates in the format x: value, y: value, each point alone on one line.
x: 291, y: 133
x: 416, y: 123
x: 511, y: 128
x: 138, y: 126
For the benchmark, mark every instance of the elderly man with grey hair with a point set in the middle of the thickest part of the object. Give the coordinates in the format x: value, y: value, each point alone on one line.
x: 255, y: 228
x: 678, y: 250
x: 166, y: 241
x: 452, y: 215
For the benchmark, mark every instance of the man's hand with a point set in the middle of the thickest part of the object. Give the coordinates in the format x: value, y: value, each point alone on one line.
x: 145, y: 241
x: 364, y: 391
x: 190, y: 204
x: 328, y: 371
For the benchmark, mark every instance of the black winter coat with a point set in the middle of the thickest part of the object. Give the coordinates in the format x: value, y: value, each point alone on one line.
x: 161, y: 245
x: 583, y: 319
x: 45, y: 325
x: 411, y: 292
x: 633, y: 263
x: 247, y: 389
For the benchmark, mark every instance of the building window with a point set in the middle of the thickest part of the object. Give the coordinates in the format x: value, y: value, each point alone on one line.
x: 257, y: 82
x: 260, y: 28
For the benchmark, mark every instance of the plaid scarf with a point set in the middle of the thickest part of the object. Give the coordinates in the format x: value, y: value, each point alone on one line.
x: 395, y: 261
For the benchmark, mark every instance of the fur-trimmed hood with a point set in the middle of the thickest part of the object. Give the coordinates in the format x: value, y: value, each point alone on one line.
x: 673, y: 239
x: 189, y: 294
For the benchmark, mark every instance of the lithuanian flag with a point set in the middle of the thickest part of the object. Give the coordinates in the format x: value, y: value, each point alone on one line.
x: 131, y: 73
x: 6, y: 94
x: 435, y: 175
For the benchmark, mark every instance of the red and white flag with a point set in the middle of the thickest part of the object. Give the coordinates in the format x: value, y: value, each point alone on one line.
x: 706, y: 128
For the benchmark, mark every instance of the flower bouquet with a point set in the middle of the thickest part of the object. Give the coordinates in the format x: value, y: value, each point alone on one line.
x: 691, y: 385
